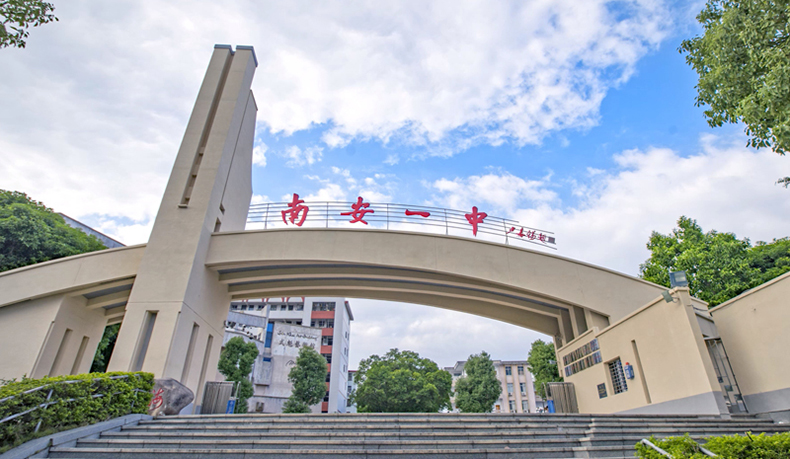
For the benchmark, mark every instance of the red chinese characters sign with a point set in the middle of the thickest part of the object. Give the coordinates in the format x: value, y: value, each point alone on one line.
x: 295, y: 208
x: 360, y: 209
x: 296, y: 212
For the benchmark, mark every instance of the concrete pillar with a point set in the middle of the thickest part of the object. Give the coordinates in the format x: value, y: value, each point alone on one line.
x: 177, y: 306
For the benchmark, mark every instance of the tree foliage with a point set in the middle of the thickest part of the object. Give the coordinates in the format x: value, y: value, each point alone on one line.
x: 719, y: 266
x: 31, y: 233
x: 16, y: 16
x: 308, y: 378
x: 744, y: 70
x: 235, y: 364
x: 540, y: 357
x: 477, y: 391
x: 401, y: 382
x: 105, y: 348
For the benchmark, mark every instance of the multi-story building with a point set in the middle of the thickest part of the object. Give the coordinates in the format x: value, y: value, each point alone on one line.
x: 518, y: 390
x: 283, y: 319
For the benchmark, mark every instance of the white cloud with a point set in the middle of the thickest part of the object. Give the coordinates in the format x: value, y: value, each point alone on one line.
x: 298, y: 157
x: 500, y: 191
x: 725, y: 187
x: 259, y: 199
x: 259, y: 154
x: 329, y: 192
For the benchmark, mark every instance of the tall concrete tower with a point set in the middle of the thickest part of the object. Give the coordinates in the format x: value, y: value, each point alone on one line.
x: 173, y: 325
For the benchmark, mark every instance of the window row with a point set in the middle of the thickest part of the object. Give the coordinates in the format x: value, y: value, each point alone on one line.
x: 509, y: 370
x: 322, y: 323
x: 324, y: 306
x: 521, y: 386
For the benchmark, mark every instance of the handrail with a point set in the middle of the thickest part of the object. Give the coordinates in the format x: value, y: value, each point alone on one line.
x: 702, y: 449
x: 707, y: 452
x: 647, y: 443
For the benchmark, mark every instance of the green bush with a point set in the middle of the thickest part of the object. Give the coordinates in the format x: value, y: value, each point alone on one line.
x: 746, y: 446
x: 74, y: 401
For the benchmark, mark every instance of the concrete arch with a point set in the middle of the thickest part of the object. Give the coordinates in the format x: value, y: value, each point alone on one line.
x: 538, y: 290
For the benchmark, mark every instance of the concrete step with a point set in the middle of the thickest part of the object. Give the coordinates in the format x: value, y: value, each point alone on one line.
x: 163, y: 453
x: 367, y: 444
x: 403, y: 436
x: 141, y: 436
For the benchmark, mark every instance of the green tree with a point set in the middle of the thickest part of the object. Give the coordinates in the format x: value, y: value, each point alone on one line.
x: 744, y: 70
x: 479, y: 389
x: 31, y: 233
x: 105, y: 348
x: 16, y: 16
x: 401, y: 382
x: 308, y: 378
x: 235, y: 364
x: 770, y: 259
x: 716, y: 264
x: 719, y: 266
x: 540, y: 359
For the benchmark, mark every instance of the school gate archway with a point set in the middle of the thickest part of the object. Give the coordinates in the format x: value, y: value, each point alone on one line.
x: 172, y: 294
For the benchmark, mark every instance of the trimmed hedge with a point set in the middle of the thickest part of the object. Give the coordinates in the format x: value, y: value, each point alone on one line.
x: 747, y: 446
x: 75, y: 401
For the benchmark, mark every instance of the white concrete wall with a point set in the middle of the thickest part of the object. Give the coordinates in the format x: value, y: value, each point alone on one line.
x: 754, y: 330
x: 673, y: 371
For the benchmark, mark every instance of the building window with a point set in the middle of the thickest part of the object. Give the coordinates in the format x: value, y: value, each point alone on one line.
x: 523, y: 387
x: 524, y: 406
x: 283, y: 307
x: 323, y: 306
x: 326, y: 397
x: 290, y: 307
x: 328, y: 357
x: 326, y: 340
x: 509, y: 371
x: 328, y: 376
x: 512, y: 406
x: 269, y: 334
x: 521, y: 369
x: 300, y: 307
x: 510, y: 388
x: 618, y: 378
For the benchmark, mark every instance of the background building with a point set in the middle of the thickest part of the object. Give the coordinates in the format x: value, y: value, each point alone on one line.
x: 518, y: 389
x: 108, y: 242
x: 284, y: 327
x: 352, y: 386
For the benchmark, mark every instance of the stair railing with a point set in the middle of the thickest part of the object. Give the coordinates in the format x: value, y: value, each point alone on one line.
x: 702, y: 449
x: 660, y: 451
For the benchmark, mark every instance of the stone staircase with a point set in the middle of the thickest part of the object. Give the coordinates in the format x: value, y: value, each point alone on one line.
x: 402, y: 436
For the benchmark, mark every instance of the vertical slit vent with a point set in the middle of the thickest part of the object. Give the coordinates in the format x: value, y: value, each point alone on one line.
x: 75, y: 369
x: 145, y: 339
x: 61, y: 350
x: 190, y: 353
x: 204, y: 135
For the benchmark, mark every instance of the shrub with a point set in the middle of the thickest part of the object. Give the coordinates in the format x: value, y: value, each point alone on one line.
x: 746, y: 446
x: 66, y: 402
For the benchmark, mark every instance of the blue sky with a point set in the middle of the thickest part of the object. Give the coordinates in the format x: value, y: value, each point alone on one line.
x: 655, y: 107
x: 576, y: 117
